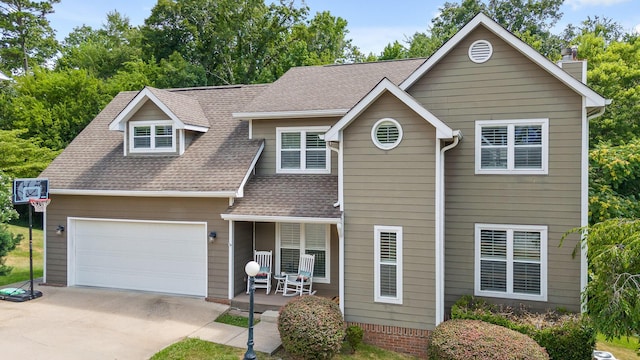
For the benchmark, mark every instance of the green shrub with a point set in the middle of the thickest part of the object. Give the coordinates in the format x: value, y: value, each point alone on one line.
x: 475, y: 339
x: 564, y: 335
x: 311, y: 327
x: 354, y: 337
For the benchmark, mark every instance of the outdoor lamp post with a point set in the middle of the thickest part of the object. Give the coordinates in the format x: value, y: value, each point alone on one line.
x: 252, y: 268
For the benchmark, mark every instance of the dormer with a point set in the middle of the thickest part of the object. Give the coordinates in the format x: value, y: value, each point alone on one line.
x: 160, y: 122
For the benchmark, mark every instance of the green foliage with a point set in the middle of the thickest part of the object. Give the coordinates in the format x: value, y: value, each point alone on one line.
x: 23, y: 158
x: 311, y: 327
x: 354, y: 336
x: 613, y: 71
x: 475, y: 339
x: 54, y: 106
x: 235, y: 320
x: 612, y: 294
x: 27, y: 36
x: 564, y: 336
x: 614, y: 176
x: 8, y: 241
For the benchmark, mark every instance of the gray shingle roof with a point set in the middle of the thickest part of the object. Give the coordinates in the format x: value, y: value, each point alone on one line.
x: 328, y: 87
x: 289, y: 196
x: 186, y: 108
x: 217, y: 160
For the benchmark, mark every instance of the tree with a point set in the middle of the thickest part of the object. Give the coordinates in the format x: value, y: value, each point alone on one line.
x: 102, y: 52
x: 532, y: 20
x: 8, y: 241
x: 614, y: 181
x: 614, y: 72
x: 232, y: 40
x: 612, y: 294
x: 27, y: 35
x: 23, y: 158
x: 54, y: 106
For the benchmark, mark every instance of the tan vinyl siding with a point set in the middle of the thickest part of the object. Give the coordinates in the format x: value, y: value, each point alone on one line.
x: 390, y: 188
x: 160, y: 208
x: 574, y: 68
x: 242, y: 254
x: 266, y: 129
x: 507, y: 87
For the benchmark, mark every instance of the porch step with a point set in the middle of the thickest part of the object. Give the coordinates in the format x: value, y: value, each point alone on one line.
x: 270, y: 316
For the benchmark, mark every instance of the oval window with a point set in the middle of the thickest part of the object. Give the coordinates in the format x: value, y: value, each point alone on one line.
x: 386, y: 134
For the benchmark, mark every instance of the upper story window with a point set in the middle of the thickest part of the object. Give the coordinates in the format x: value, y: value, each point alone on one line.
x: 512, y: 146
x: 301, y: 150
x: 511, y: 261
x: 151, y: 136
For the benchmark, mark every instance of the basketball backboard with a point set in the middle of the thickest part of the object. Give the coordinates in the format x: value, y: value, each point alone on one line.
x: 25, y: 189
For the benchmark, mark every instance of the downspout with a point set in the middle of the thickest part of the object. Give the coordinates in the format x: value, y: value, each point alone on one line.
x: 340, y: 228
x: 440, y: 198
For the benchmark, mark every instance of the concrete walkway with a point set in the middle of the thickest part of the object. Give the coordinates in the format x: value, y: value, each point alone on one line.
x: 89, y: 323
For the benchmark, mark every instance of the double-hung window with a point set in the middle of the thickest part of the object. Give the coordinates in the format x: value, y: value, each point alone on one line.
x: 302, y: 150
x: 295, y: 239
x: 388, y: 264
x: 512, y: 146
x: 151, y: 136
x: 511, y: 261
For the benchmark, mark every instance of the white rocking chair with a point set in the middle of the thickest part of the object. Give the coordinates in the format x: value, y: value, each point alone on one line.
x: 302, y: 282
x: 262, y: 280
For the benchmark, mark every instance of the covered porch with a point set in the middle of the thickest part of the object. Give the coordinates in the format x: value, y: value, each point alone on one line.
x: 287, y: 215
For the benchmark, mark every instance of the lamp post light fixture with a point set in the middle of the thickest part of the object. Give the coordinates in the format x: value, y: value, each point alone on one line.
x: 252, y: 268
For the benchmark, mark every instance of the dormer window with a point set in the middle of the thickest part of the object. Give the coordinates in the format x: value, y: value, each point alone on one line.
x: 151, y: 136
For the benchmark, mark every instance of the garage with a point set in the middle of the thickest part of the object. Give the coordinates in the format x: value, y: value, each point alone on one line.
x: 167, y: 257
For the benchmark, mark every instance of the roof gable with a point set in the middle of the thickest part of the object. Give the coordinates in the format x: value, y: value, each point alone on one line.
x: 442, y: 130
x: 593, y: 99
x: 185, y: 111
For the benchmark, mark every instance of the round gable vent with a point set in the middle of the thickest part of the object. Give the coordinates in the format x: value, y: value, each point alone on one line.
x: 480, y: 51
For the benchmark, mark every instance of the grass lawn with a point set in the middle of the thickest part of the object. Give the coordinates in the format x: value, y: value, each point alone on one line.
x: 19, y: 257
x: 196, y: 349
x: 622, y: 349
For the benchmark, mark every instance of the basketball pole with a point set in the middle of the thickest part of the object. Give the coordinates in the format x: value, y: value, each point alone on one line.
x: 31, y: 250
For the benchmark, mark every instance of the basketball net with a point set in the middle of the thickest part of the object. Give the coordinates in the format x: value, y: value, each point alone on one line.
x: 39, y: 205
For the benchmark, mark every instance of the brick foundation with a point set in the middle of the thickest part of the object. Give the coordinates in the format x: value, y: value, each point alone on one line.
x: 399, y: 339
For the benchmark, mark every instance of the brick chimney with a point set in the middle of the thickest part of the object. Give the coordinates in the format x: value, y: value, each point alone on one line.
x: 574, y: 67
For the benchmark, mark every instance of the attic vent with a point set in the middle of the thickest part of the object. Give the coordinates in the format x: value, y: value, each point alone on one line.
x: 480, y: 51
x: 386, y: 134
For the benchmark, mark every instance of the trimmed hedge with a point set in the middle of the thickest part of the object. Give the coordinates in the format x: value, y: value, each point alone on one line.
x: 311, y: 327
x: 475, y: 339
x: 565, y: 336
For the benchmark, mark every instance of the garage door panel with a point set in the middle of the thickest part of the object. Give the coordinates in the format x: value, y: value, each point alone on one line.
x: 151, y: 256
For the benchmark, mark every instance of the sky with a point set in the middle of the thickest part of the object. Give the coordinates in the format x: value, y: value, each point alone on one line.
x: 372, y: 24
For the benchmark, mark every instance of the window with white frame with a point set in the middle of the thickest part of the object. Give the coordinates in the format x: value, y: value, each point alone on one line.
x: 151, y: 136
x: 388, y: 264
x: 511, y: 261
x: 301, y: 150
x: 512, y: 146
x: 313, y: 239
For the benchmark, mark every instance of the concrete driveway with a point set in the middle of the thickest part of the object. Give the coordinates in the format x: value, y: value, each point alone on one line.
x: 88, y: 323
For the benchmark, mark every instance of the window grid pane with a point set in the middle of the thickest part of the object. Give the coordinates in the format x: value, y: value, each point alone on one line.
x: 316, y: 159
x: 290, y: 159
x: 526, y: 245
x: 493, y: 275
x: 319, y: 264
x: 388, y: 277
x: 388, y: 247
x: 493, y: 244
x: 290, y: 140
x: 526, y: 278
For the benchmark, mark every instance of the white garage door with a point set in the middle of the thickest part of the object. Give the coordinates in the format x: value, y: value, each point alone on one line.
x: 164, y: 257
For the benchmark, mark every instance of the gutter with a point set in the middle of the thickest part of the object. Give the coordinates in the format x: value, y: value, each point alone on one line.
x: 440, y: 223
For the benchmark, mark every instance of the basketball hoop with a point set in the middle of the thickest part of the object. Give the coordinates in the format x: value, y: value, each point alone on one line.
x: 39, y: 205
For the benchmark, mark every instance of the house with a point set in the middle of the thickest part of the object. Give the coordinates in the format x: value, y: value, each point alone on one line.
x: 414, y: 182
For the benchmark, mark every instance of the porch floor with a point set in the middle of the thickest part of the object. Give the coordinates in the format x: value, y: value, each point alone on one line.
x: 263, y: 302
